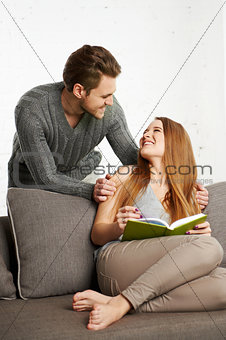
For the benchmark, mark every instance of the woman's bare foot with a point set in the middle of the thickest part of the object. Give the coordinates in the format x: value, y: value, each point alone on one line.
x: 85, y: 300
x: 103, y: 315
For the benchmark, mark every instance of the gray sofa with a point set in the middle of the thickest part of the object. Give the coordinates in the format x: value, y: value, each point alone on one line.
x: 46, y: 255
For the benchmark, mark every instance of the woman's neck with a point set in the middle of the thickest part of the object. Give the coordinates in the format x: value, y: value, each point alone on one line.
x: 158, y: 175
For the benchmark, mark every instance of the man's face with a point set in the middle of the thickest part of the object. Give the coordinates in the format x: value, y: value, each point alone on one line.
x: 97, y: 100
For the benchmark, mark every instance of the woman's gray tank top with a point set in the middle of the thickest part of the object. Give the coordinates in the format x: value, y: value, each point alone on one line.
x: 150, y: 206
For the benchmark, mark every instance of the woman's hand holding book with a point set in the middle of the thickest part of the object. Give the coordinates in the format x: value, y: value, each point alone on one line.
x: 126, y: 213
x: 200, y: 229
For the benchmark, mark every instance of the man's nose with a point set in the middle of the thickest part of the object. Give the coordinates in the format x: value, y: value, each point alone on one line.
x: 109, y: 101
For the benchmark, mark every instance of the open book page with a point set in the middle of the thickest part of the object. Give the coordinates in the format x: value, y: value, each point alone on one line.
x: 175, y: 224
x: 153, y: 220
x: 185, y: 220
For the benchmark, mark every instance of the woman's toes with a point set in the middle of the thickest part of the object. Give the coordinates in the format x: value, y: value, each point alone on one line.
x: 94, y: 321
x: 90, y: 326
x: 96, y: 327
x: 76, y: 297
x: 95, y: 311
x: 80, y: 302
x: 94, y: 318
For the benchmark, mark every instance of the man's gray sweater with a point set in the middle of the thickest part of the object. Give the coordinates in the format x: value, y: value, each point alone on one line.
x: 49, y: 154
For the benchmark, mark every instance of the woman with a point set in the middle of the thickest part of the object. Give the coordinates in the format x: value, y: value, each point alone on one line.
x: 171, y: 273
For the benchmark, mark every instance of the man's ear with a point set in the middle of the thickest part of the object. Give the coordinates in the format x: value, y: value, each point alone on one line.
x: 79, y: 91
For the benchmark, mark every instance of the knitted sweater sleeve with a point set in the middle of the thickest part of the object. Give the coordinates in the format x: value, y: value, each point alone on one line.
x: 120, y: 137
x: 40, y: 161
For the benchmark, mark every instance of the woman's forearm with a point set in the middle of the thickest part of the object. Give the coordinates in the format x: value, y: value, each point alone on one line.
x: 105, y: 232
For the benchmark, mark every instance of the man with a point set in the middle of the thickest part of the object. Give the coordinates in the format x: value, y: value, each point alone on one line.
x: 58, y: 125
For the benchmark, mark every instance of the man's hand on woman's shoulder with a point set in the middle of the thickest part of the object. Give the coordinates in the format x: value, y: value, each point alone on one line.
x: 202, y: 196
x: 105, y: 187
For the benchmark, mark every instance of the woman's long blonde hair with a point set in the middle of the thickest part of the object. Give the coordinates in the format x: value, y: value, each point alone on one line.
x: 181, y: 175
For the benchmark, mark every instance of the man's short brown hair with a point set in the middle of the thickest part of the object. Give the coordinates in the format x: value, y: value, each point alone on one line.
x: 86, y: 66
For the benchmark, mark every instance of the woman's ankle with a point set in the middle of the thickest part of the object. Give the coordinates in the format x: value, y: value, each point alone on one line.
x: 121, y: 302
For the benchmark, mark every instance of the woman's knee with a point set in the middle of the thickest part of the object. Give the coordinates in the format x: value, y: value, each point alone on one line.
x: 212, y: 250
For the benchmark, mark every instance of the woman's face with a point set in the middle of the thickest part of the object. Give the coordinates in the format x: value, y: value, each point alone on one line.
x: 152, y: 143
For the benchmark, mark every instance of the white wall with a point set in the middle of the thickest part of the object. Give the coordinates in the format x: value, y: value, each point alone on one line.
x: 150, y: 39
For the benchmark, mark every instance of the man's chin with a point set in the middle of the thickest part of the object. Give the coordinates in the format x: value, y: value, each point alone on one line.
x: 98, y: 114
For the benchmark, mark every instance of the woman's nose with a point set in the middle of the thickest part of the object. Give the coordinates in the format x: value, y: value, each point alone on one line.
x: 147, y: 134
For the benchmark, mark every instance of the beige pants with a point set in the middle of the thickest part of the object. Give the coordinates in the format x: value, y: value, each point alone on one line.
x: 166, y: 274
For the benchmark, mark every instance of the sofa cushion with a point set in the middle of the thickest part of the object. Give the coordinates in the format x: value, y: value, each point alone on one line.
x: 52, y: 238
x: 7, y: 287
x: 53, y: 318
x: 215, y: 211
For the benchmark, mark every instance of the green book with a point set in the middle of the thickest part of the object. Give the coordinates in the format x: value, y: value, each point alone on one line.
x: 138, y: 229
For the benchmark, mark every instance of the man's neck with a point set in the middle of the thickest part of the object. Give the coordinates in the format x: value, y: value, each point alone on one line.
x: 72, y: 110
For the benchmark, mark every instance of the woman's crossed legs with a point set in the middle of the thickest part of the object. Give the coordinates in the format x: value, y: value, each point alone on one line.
x: 156, y: 275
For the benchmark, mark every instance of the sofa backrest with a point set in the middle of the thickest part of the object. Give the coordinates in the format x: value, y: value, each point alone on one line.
x: 51, y: 233
x: 216, y: 212
x: 216, y: 216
